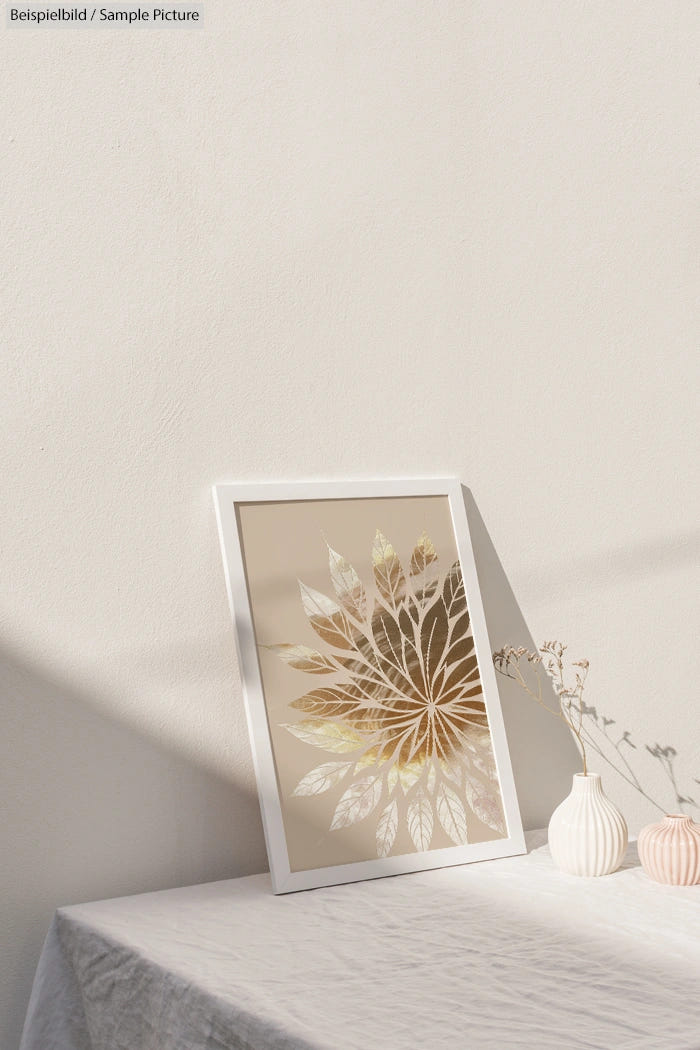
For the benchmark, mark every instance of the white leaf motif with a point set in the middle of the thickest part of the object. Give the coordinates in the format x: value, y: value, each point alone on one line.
x: 452, y: 772
x: 451, y: 814
x: 317, y: 604
x: 357, y: 802
x: 388, y: 574
x: 483, y: 759
x: 331, y: 736
x: 387, y: 826
x: 424, y: 554
x: 420, y: 821
x: 326, y: 617
x: 322, y: 778
x: 484, y: 804
x: 303, y: 658
x: 347, y: 584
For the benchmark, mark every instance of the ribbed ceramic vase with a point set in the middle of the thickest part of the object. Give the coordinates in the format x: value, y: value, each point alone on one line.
x: 587, y: 833
x: 670, y: 850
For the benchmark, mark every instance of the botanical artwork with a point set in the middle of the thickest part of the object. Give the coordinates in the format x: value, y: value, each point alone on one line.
x: 398, y: 720
x: 375, y: 726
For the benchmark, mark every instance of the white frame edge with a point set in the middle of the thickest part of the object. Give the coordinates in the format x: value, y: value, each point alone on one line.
x: 226, y: 498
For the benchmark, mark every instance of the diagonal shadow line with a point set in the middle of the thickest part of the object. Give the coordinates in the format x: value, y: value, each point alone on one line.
x: 604, y: 568
x: 506, y: 624
x: 92, y: 808
x: 89, y: 801
x: 543, y: 754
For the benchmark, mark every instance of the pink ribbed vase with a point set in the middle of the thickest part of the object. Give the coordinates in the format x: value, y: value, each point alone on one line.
x: 587, y: 833
x: 670, y: 850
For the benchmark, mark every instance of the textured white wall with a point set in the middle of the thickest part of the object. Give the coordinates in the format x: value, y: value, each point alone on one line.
x: 327, y: 240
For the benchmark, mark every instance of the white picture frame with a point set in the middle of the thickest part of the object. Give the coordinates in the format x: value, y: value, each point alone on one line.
x: 247, y: 511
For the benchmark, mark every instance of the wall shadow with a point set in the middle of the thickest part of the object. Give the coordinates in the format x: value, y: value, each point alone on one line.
x: 603, y: 568
x: 92, y: 809
x: 542, y: 751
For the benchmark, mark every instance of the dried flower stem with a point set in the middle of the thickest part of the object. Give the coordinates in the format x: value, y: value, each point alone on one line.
x: 571, y: 706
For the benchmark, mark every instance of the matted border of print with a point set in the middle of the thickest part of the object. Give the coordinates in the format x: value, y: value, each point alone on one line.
x: 376, y: 728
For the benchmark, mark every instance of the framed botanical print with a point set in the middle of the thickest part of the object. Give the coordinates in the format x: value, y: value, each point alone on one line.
x: 370, y: 693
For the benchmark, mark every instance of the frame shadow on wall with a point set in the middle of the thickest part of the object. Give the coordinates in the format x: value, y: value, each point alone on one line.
x: 542, y: 751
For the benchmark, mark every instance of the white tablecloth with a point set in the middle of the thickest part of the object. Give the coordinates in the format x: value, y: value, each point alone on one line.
x: 499, y: 955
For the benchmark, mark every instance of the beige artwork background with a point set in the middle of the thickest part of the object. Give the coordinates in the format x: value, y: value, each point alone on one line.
x: 284, y: 542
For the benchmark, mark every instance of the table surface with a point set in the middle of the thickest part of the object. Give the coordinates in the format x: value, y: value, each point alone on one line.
x: 502, y: 954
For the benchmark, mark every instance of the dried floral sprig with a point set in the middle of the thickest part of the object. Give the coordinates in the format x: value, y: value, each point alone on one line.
x: 551, y: 654
x: 583, y: 720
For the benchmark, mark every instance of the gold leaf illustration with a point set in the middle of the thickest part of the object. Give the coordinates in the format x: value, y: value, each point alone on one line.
x: 357, y: 802
x: 410, y: 773
x: 388, y: 574
x: 409, y: 707
x: 451, y: 813
x: 327, y: 619
x: 367, y: 760
x: 459, y: 628
x: 331, y: 736
x: 462, y: 667
x: 435, y: 635
x: 347, y: 584
x: 426, y: 595
x: 322, y: 778
x: 395, y: 655
x: 424, y: 554
x: 453, y: 592
x: 326, y: 703
x: 303, y: 658
x: 419, y: 818
x: 387, y: 826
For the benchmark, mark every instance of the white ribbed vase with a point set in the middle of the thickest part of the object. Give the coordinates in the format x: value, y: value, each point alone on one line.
x: 670, y: 850
x: 587, y: 834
